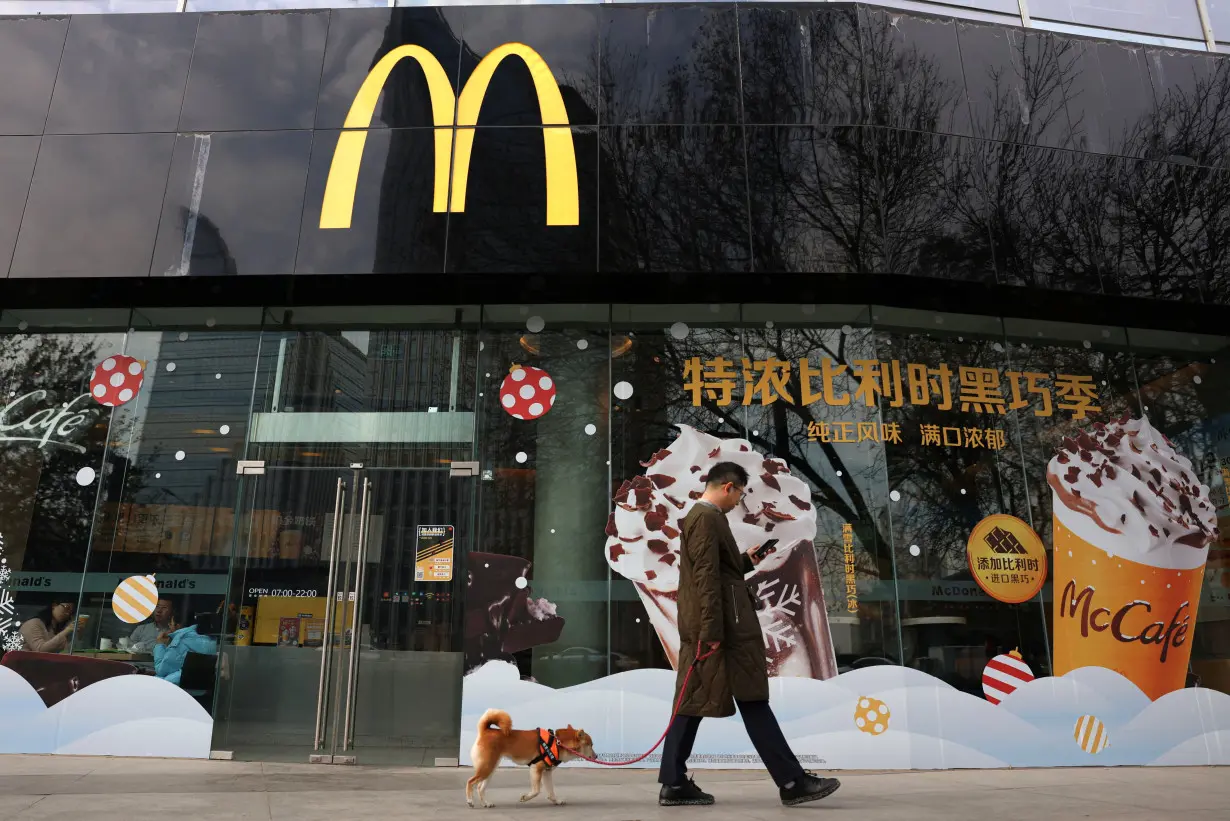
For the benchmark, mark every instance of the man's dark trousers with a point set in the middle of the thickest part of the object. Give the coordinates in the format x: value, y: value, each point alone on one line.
x: 762, y: 729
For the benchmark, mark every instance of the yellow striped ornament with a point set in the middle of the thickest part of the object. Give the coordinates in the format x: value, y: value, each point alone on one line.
x: 1090, y: 734
x: 135, y: 599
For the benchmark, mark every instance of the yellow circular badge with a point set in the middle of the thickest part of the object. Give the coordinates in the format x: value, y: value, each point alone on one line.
x: 1007, y: 558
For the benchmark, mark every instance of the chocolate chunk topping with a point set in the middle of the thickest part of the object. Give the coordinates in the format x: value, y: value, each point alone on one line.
x: 661, y: 480
x: 799, y: 503
x: 1072, y: 475
x: 770, y: 480
x: 616, y: 550
x: 658, y: 545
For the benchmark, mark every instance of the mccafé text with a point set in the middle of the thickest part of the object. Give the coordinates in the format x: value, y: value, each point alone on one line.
x: 1102, y: 619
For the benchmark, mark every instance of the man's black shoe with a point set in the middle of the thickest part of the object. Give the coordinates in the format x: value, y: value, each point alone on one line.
x: 685, y: 795
x: 808, y: 788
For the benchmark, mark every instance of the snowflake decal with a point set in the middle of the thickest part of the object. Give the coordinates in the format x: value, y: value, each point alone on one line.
x: 8, y: 640
x: 779, y: 604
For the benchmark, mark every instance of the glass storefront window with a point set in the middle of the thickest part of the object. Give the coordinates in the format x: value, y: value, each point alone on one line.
x: 353, y: 507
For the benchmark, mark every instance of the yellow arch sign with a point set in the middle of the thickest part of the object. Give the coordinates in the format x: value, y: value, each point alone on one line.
x: 563, y: 206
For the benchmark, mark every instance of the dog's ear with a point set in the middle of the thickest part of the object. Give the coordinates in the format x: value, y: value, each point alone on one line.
x: 569, y: 726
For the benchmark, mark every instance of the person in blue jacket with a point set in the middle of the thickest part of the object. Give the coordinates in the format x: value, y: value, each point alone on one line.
x: 173, y: 647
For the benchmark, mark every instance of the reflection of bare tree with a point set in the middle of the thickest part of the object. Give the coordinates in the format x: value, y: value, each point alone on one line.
x: 46, y: 515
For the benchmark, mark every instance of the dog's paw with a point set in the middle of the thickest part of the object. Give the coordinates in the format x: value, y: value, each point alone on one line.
x: 488, y: 806
x: 527, y: 797
x: 559, y: 802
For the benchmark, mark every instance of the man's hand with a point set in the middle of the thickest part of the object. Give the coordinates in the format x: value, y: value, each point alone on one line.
x: 754, y: 555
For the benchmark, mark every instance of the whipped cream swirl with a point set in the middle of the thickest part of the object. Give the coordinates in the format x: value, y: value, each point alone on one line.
x: 643, y: 531
x: 1123, y: 486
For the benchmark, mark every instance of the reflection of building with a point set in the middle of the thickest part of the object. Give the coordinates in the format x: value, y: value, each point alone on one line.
x: 970, y: 244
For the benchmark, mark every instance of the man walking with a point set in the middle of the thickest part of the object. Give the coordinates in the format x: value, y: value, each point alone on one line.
x: 718, y: 615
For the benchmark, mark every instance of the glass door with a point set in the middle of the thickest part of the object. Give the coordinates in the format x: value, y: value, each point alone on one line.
x: 345, y: 645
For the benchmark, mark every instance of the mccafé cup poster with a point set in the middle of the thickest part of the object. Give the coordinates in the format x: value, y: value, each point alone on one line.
x: 1133, y: 525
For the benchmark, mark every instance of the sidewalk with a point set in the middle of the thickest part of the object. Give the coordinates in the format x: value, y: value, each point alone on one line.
x: 43, y: 788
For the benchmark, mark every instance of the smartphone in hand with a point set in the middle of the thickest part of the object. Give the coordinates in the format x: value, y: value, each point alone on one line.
x: 759, y: 553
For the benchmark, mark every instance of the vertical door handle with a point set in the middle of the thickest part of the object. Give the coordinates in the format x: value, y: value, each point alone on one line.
x: 327, y: 647
x: 351, y: 681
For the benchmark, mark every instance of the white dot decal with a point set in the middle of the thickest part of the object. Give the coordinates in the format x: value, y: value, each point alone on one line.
x: 21, y: 326
x: 864, y: 704
x: 535, y: 410
x: 591, y: 429
x: 915, y: 550
x: 1196, y: 379
x: 521, y: 583
x: 526, y: 392
x: 170, y: 367
x: 209, y: 323
x: 116, y: 380
x: 85, y: 476
x: 217, y: 376
x: 679, y: 330
x: 99, y: 390
x: 179, y: 455
x: 582, y: 344
x: 623, y: 390
x: 125, y: 394
x: 535, y: 324
x: 134, y: 368
x: 545, y: 383
x: 518, y: 375
x: 224, y: 430
x: 895, y: 496
x: 521, y: 457
x: 157, y: 475
x: 183, y: 336
x: 108, y: 365
x: 508, y: 400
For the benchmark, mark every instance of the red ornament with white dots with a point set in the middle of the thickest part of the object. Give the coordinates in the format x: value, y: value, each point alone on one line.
x: 527, y: 393
x: 117, y: 380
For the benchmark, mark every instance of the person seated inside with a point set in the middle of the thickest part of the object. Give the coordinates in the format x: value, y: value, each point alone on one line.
x: 52, y: 629
x: 173, y: 646
x: 146, y: 634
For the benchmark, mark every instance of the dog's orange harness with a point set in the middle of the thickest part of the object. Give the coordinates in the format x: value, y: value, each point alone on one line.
x: 548, y: 749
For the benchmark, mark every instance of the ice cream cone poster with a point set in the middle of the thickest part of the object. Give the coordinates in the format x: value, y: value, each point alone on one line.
x: 1007, y: 558
x: 1133, y: 525
x: 433, y: 562
x: 643, y: 546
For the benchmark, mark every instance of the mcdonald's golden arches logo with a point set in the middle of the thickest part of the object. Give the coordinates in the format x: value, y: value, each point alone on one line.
x: 563, y: 207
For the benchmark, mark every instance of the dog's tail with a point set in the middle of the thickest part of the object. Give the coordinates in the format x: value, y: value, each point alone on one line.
x: 495, y: 720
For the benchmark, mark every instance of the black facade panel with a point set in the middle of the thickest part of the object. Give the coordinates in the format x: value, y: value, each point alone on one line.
x: 93, y: 206
x: 254, y: 72
x: 122, y: 73
x: 915, y: 79
x: 359, y: 38
x: 566, y: 37
x: 504, y: 226
x: 17, y: 156
x: 813, y: 202
x: 674, y: 198
x: 801, y: 66
x: 30, y: 51
x: 670, y: 65
x: 215, y: 221
x: 830, y: 139
x: 393, y: 228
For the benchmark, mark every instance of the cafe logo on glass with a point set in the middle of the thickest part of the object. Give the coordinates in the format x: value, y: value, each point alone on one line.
x: 1007, y: 558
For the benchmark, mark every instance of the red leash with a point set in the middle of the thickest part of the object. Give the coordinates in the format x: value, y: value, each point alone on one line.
x: 682, y: 692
